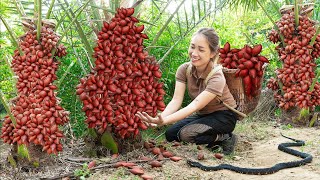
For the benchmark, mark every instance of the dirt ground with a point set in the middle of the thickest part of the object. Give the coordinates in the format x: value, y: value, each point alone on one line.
x: 257, y: 147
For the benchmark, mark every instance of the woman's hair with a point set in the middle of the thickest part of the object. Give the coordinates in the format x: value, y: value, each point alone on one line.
x: 211, y: 36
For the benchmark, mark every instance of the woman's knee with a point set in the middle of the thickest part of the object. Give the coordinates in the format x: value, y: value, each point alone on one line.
x: 190, y: 132
x: 172, y: 134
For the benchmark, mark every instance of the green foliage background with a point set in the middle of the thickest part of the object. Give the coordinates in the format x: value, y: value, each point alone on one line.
x: 236, y: 26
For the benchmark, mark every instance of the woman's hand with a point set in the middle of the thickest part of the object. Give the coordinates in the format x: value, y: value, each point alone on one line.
x: 151, y: 121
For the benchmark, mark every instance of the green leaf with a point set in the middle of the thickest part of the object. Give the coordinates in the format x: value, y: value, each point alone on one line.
x: 83, y: 172
x: 315, y: 35
x: 12, y: 162
x: 108, y: 142
x: 92, y: 132
x: 50, y: 9
x: 166, y: 24
x: 19, y: 8
x: 23, y: 151
x: 79, y: 28
x: 155, y: 4
x: 71, y: 23
x: 247, y: 4
x: 96, y: 15
x: 105, y: 9
x: 199, y: 9
x: 276, y: 7
x: 66, y: 72
x: 36, y: 164
x: 5, y: 104
x: 304, y: 113
x: 193, y: 14
x: 179, y: 25
x: 186, y: 16
x: 12, y: 35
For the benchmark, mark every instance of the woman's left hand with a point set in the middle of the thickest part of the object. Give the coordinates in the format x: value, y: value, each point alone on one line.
x: 150, y: 120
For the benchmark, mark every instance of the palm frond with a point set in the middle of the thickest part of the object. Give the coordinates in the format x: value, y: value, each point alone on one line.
x: 204, y: 6
x: 78, y: 57
x: 105, y: 12
x: 315, y: 35
x: 179, y: 24
x: 276, y: 7
x: 35, y: 7
x: 193, y: 14
x: 105, y: 9
x: 188, y: 31
x: 137, y: 4
x: 19, y: 8
x: 158, y: 16
x: 296, y: 13
x: 199, y: 9
x: 247, y: 4
x: 155, y: 4
x: 66, y: 72
x: 12, y: 35
x: 73, y: 20
x: 96, y: 15
x: 50, y: 9
x: 79, y: 28
x: 186, y: 16
x: 6, y: 106
x: 166, y: 24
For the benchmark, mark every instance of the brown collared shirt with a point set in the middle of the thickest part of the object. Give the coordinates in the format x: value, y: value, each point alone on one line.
x: 216, y: 85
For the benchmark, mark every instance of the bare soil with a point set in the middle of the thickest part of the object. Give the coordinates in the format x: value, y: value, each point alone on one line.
x: 257, y: 147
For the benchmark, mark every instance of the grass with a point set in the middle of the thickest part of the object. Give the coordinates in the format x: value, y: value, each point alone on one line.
x: 286, y: 127
x: 251, y: 129
x: 154, y: 133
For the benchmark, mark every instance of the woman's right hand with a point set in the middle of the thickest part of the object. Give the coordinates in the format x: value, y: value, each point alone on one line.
x: 150, y: 121
x: 152, y: 125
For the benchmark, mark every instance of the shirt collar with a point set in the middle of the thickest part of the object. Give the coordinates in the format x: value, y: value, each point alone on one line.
x: 206, y: 72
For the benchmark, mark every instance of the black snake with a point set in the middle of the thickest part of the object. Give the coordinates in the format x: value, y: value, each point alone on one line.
x: 307, y: 158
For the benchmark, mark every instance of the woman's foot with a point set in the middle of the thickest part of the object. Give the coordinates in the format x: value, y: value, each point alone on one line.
x: 229, y: 144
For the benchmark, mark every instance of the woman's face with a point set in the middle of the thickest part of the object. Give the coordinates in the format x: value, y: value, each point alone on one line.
x: 199, y: 51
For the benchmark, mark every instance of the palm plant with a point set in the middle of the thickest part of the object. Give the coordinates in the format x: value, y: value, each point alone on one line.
x: 305, y: 113
x: 161, y: 25
x: 30, y: 23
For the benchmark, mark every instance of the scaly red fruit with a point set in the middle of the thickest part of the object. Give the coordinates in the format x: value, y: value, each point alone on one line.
x: 36, y: 108
x: 125, y: 79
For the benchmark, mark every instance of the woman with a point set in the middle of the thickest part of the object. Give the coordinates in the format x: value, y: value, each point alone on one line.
x: 205, y: 120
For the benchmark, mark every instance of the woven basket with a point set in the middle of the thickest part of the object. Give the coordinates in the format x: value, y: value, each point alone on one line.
x: 236, y: 87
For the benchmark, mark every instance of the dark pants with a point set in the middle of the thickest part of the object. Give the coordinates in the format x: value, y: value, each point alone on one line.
x: 202, y: 129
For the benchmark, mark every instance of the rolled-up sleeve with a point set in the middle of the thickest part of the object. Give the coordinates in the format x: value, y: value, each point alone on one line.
x: 181, y: 73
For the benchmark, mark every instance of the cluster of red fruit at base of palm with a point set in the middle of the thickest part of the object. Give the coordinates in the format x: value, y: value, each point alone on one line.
x: 124, y: 80
x: 298, y: 58
x: 36, y: 109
